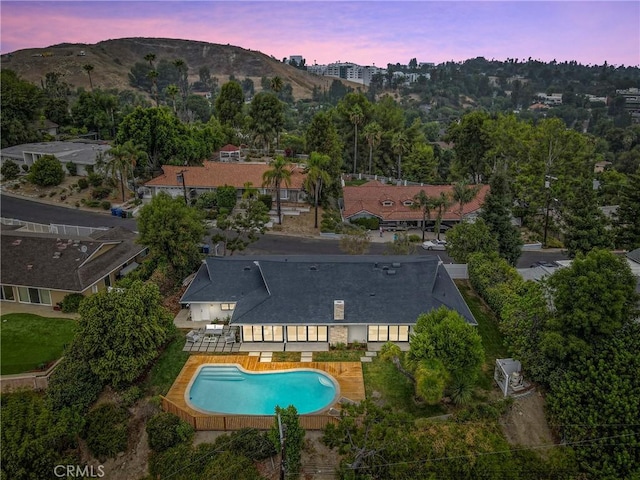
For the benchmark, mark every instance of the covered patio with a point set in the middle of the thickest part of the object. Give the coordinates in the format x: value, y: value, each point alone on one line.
x: 212, y: 338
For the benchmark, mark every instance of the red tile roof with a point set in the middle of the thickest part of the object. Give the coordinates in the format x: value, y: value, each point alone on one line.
x: 369, y: 198
x: 230, y: 148
x: 216, y: 174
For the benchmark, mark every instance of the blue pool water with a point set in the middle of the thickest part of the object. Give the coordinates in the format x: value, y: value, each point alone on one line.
x: 227, y: 389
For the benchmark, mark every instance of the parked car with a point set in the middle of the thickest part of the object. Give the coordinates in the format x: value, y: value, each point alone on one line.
x: 434, y: 245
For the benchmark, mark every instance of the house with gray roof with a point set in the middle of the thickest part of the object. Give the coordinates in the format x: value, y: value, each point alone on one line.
x: 82, y: 154
x: 321, y: 299
x: 42, y: 268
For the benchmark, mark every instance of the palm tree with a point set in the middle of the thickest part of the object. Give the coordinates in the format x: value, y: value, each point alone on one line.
x: 124, y: 159
x: 248, y: 190
x: 150, y: 57
x: 276, y: 84
x: 279, y: 173
x: 153, y: 75
x: 400, y: 147
x: 424, y: 203
x: 183, y: 81
x: 463, y: 194
x: 373, y: 134
x: 88, y: 68
x: 441, y: 203
x: 355, y: 117
x: 317, y: 177
x: 172, y: 91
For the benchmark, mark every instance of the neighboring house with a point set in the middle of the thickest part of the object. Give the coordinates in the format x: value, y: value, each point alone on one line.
x: 322, y: 299
x: 46, y: 126
x: 81, y: 154
x: 212, y: 175
x: 42, y: 268
x: 392, y: 204
x: 230, y: 153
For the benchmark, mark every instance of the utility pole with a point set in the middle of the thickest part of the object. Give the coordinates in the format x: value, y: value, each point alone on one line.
x: 282, y: 448
x: 180, y: 178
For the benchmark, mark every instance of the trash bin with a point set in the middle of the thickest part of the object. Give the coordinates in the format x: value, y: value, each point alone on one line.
x: 116, y: 211
x: 206, y: 248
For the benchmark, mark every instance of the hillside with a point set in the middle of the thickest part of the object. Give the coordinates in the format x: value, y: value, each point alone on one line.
x: 112, y: 60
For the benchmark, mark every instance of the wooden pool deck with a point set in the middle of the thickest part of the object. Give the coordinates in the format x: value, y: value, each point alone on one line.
x: 347, y: 374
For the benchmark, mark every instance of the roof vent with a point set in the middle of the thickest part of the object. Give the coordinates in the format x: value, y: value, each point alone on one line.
x: 17, y: 242
x: 56, y: 254
x: 246, y: 269
x: 313, y: 267
x: 338, y: 309
x: 395, y: 264
x: 391, y: 272
x: 29, y: 267
x: 386, y: 267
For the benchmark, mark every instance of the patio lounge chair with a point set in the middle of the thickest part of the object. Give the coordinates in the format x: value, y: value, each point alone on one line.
x: 193, y: 336
x: 230, y: 338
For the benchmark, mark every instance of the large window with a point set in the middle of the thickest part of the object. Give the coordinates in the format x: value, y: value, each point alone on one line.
x: 227, y: 306
x: 262, y: 333
x: 304, y: 333
x: 7, y: 293
x: 386, y: 333
x: 34, y: 295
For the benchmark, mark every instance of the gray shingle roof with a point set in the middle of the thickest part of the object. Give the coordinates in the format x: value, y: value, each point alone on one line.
x: 302, y: 289
x: 76, y: 152
x: 58, y: 263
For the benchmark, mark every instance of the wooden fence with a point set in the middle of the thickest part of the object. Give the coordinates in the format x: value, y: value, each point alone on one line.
x: 237, y: 422
x: 27, y: 381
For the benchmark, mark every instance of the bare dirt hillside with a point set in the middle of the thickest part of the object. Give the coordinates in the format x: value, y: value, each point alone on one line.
x: 112, y: 60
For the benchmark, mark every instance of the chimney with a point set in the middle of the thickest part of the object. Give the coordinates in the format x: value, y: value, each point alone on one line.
x: 338, y: 309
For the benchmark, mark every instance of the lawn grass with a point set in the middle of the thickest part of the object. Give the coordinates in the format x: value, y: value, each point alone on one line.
x: 394, y: 389
x: 492, y: 339
x: 167, y: 366
x: 286, y: 357
x: 338, y: 356
x: 29, y: 342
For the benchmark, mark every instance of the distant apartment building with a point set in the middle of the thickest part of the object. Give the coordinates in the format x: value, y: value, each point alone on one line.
x: 551, y: 99
x: 631, y: 99
x: 296, y: 58
x: 348, y: 71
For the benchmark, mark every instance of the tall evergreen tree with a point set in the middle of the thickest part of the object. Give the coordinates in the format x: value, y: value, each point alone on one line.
x: 628, y: 215
x: 496, y: 212
x: 585, y: 224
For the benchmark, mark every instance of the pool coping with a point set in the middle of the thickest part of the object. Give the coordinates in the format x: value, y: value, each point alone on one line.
x: 348, y: 375
x: 324, y: 409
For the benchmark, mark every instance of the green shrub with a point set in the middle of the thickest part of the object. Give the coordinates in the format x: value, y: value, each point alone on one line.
x: 99, y: 193
x: 10, y: 170
x: 252, y: 444
x: 226, y: 197
x: 165, y: 430
x: 370, y: 223
x: 131, y: 395
x: 72, y: 168
x: 106, y: 205
x: 72, y: 383
x: 413, y: 238
x: 83, y: 183
x: 207, y: 200
x: 71, y: 302
x: 46, y: 171
x: 266, y: 199
x: 95, y: 179
x: 92, y: 203
x: 106, y: 430
x: 25, y: 168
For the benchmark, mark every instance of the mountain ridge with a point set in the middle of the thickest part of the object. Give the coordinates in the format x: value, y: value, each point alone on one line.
x: 113, y: 59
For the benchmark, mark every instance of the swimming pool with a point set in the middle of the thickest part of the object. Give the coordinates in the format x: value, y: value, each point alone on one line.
x: 229, y: 389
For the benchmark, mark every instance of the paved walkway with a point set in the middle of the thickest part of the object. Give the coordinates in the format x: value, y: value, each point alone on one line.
x: 42, y: 310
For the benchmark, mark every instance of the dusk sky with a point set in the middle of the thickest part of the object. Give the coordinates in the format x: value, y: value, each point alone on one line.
x: 364, y: 32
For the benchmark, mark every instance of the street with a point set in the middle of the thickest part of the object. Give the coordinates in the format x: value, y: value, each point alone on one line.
x: 270, y: 244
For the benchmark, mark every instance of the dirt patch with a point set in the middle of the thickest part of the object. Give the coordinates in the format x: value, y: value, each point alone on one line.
x: 301, y: 225
x: 134, y: 462
x: 525, y: 423
x: 318, y: 461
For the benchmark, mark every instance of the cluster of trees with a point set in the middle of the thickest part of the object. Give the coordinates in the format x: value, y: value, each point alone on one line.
x: 120, y: 334
x: 577, y: 335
